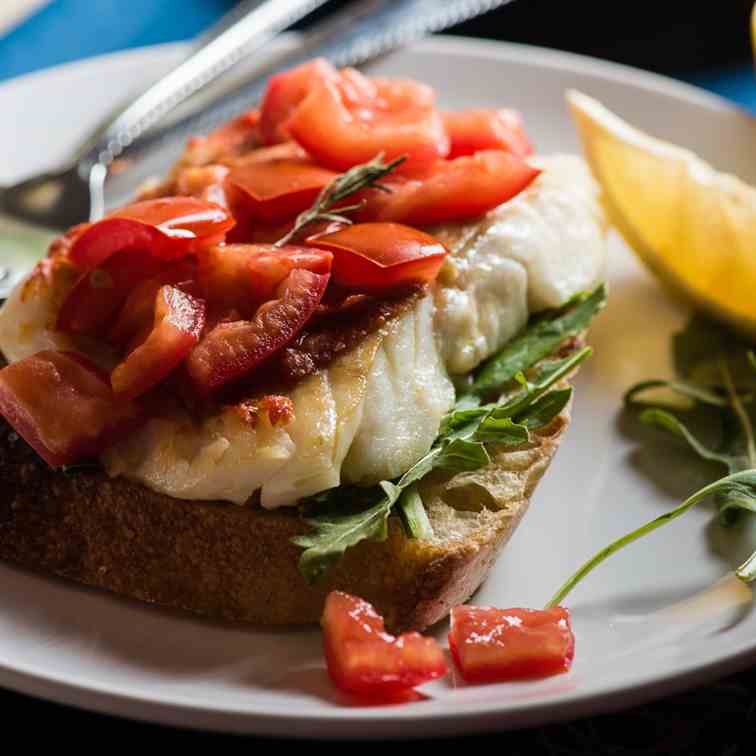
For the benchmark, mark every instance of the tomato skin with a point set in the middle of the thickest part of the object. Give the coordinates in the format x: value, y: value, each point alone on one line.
x: 243, y: 132
x: 496, y: 645
x: 169, y: 227
x: 275, y: 190
x: 339, y: 137
x: 379, y: 258
x: 452, y: 190
x: 243, y: 276
x: 94, y: 301
x: 63, y: 406
x: 137, y: 313
x: 362, y: 658
x: 284, y: 93
x: 471, y: 131
x: 179, y: 320
x: 233, y: 350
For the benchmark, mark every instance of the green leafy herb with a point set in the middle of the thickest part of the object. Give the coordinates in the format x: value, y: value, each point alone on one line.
x: 689, y: 391
x: 537, y: 342
x: 746, y: 480
x: 717, y: 375
x: 365, y: 176
x: 415, y: 518
x: 333, y: 534
x: 528, y: 400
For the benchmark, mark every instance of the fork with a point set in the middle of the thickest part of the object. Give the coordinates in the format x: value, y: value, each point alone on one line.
x: 32, y: 210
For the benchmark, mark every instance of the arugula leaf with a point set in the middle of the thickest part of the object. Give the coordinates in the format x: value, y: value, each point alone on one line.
x: 333, y: 534
x: 746, y: 482
x: 545, y: 409
x: 698, y: 344
x: 461, y: 455
x: 718, y: 378
x: 536, y: 342
x: 413, y: 514
x: 546, y: 375
x: 691, y: 391
x: 669, y: 422
x: 502, y: 430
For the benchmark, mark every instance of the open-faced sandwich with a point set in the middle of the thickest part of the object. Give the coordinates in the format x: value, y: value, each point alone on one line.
x: 330, y: 350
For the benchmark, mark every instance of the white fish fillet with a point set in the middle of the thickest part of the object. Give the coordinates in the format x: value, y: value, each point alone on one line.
x: 375, y: 410
x: 529, y: 254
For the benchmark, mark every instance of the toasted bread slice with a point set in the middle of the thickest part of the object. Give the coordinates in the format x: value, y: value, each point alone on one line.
x: 237, y: 563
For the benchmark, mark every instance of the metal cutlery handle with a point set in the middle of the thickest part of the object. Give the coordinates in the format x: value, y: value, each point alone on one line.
x: 362, y: 31
x: 251, y: 24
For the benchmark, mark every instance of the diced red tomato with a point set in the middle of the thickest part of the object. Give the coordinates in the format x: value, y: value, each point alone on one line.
x: 61, y: 245
x: 471, y: 131
x: 277, y: 189
x: 284, y: 93
x: 491, y: 645
x: 238, y: 135
x: 167, y: 227
x: 378, y: 258
x: 63, y: 406
x: 243, y: 276
x: 232, y: 138
x: 339, y: 133
x: 98, y: 295
x: 363, y: 658
x: 452, y: 190
x: 206, y: 182
x: 178, y: 322
x: 399, y: 94
x: 138, y: 311
x: 233, y: 350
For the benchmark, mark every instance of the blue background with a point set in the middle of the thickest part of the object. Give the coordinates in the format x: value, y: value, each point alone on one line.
x: 67, y: 30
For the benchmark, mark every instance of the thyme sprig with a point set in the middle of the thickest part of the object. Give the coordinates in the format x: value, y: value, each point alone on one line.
x: 365, y: 176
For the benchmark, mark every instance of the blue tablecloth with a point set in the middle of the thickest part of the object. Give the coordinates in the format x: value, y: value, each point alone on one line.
x: 67, y: 30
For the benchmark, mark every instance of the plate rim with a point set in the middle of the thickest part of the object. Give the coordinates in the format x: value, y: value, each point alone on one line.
x: 352, y: 723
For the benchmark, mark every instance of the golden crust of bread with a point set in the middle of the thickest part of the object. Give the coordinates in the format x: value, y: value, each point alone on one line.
x: 237, y: 563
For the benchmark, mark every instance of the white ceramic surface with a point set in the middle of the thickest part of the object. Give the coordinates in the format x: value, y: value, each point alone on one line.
x: 651, y: 620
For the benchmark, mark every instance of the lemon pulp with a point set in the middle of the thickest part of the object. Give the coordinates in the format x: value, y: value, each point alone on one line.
x: 694, y: 226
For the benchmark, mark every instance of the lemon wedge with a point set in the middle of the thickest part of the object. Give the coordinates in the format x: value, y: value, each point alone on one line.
x: 693, y: 226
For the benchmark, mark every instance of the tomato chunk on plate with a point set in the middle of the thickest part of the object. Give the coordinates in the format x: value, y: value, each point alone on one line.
x: 63, y: 406
x: 376, y: 258
x: 233, y: 350
x: 452, y: 190
x: 179, y: 320
x: 471, y: 131
x: 363, y: 658
x: 168, y: 227
x: 495, y: 645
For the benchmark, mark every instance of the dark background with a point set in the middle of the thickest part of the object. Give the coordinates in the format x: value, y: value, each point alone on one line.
x: 701, y: 42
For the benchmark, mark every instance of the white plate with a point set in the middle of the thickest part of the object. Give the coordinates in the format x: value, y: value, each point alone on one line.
x: 637, y: 636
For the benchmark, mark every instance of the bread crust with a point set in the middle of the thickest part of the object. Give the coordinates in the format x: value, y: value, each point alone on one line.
x: 237, y: 563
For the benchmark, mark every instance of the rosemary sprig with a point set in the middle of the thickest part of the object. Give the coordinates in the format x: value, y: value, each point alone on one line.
x: 365, y: 176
